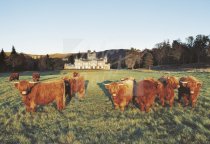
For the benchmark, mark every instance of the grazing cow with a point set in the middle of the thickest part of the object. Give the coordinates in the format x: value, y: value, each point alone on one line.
x: 189, y: 90
x: 36, y: 76
x: 77, y: 86
x: 122, y: 92
x: 14, y: 76
x: 34, y: 94
x: 167, y: 89
x: 145, y: 93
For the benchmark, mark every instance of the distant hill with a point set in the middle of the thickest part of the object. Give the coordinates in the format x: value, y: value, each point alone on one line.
x: 116, y: 57
x: 56, y: 55
x: 59, y: 55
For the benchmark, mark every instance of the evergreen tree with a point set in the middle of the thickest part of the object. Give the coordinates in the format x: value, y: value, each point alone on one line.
x: 71, y: 59
x: 200, y: 47
x: 13, y: 51
x: 45, y: 63
x: 79, y: 55
x: 2, y: 60
x: 148, y: 60
x: 13, y: 59
x: 49, y: 62
x: 2, y: 54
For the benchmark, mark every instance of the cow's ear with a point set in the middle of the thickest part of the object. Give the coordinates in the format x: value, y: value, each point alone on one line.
x: 31, y: 84
x: 157, y: 84
x: 16, y: 85
x: 199, y: 84
x: 107, y: 86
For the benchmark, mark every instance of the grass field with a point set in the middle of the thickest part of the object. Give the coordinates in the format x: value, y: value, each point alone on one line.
x: 93, y: 120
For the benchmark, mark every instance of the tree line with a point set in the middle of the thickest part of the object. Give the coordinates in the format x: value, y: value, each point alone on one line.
x: 22, y: 62
x: 195, y: 50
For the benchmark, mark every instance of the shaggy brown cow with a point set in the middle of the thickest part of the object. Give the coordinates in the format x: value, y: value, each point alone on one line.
x: 189, y: 90
x: 36, y: 76
x: 14, y: 76
x: 122, y: 92
x: 77, y: 86
x: 167, y: 89
x: 145, y: 93
x: 34, y: 94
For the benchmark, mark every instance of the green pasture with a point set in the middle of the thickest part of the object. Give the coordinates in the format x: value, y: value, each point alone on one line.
x: 93, y: 120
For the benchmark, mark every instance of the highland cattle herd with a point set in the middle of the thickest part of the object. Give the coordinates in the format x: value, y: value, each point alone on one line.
x: 142, y: 94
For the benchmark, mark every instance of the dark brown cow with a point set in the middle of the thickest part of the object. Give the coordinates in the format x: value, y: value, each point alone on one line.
x: 122, y: 92
x: 34, y: 94
x: 167, y: 89
x: 76, y: 85
x: 14, y: 76
x: 36, y: 76
x: 146, y: 92
x: 189, y: 90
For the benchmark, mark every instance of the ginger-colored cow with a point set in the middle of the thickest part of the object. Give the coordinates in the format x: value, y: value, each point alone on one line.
x: 146, y: 92
x: 166, y: 91
x: 122, y: 92
x: 189, y: 90
x: 34, y: 94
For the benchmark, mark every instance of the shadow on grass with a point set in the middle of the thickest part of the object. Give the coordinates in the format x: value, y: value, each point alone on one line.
x: 106, y: 92
x: 68, y: 91
x: 86, y: 84
x: 135, y: 135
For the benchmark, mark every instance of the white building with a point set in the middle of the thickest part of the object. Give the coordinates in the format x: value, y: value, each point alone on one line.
x: 90, y: 63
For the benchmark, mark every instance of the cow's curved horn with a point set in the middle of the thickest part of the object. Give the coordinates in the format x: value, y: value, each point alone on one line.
x: 184, y: 82
x: 121, y: 84
x: 15, y: 82
x: 33, y: 82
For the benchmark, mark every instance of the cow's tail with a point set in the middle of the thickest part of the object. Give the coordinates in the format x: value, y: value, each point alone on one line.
x: 64, y: 94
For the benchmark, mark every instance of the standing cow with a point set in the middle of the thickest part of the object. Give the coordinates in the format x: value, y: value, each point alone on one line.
x: 189, y: 90
x: 166, y: 91
x: 75, y: 85
x: 122, y: 92
x: 146, y: 92
x: 14, y: 76
x: 36, y: 76
x: 34, y: 94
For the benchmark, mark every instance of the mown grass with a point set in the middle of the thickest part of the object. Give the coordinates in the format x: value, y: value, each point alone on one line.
x: 93, y: 120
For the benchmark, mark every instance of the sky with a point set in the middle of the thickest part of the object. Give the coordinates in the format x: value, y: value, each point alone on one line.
x: 65, y: 26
